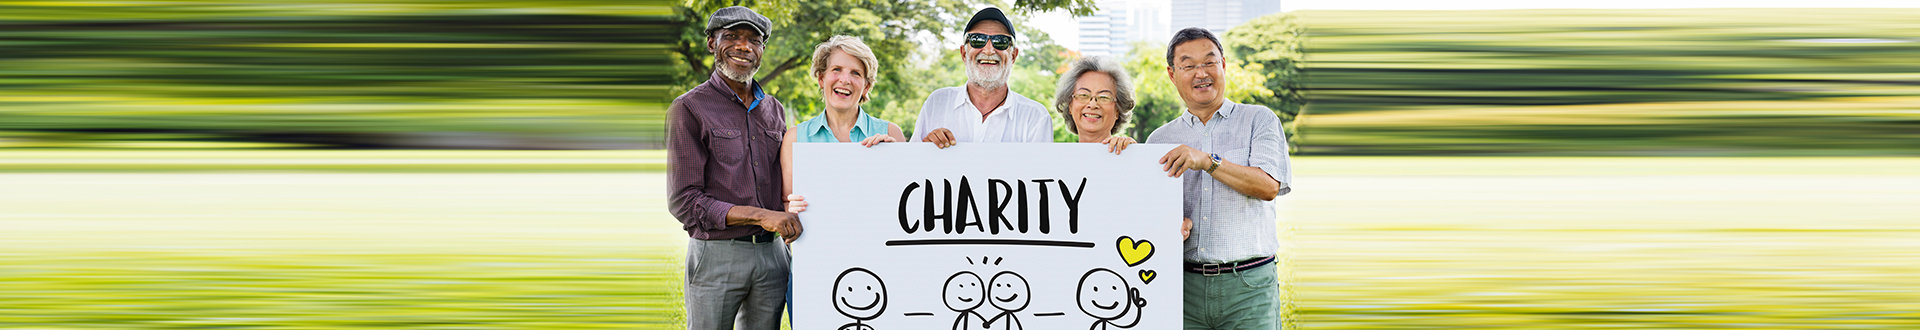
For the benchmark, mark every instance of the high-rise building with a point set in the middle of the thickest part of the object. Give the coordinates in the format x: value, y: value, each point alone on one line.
x: 1111, y: 30
x: 1220, y: 15
x: 1105, y: 32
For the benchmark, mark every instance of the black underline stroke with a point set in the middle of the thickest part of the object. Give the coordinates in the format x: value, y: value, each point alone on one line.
x: 920, y: 314
x: 989, y: 241
x: 1052, y: 314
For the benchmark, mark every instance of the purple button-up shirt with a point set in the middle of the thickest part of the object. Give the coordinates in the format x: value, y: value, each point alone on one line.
x: 721, y: 154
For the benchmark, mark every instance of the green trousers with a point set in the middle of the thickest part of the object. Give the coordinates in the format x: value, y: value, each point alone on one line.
x: 1243, y: 300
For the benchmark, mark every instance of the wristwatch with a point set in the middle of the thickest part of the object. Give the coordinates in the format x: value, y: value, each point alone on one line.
x: 1216, y: 163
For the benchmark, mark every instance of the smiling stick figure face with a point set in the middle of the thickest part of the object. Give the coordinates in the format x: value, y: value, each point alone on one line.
x: 964, y: 291
x: 1103, y: 294
x: 1009, y: 292
x: 859, y: 294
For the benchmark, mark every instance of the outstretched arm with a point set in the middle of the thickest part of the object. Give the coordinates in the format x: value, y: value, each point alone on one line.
x: 1251, y: 181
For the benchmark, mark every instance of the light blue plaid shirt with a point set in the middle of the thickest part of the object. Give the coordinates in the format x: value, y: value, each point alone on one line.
x: 1228, y: 225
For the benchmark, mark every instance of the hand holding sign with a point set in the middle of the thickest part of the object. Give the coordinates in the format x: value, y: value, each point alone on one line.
x: 925, y: 227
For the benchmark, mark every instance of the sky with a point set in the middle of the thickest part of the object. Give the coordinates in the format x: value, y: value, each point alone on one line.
x: 1065, y: 29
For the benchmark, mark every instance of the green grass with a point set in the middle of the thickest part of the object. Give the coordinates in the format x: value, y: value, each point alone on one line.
x: 320, y: 250
x: 1375, y: 242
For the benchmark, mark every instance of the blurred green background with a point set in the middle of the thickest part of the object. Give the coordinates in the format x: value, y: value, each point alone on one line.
x: 1693, y: 82
x: 484, y: 74
x: 265, y: 165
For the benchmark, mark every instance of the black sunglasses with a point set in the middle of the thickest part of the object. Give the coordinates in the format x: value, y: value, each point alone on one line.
x: 1001, y: 42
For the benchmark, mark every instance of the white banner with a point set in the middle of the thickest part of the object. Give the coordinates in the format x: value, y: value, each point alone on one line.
x: 986, y: 236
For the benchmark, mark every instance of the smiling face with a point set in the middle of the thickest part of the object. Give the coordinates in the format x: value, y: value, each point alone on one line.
x: 1009, y: 292
x: 859, y: 294
x: 1197, y: 65
x: 988, y: 67
x: 964, y: 291
x: 736, y: 52
x: 1091, y: 116
x: 844, y: 82
x: 1103, y: 294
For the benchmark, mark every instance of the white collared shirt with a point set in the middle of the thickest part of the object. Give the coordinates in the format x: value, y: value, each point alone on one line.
x: 1019, y: 119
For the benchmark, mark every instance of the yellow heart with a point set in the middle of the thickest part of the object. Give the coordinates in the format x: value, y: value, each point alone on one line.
x: 1146, y: 276
x: 1133, y: 252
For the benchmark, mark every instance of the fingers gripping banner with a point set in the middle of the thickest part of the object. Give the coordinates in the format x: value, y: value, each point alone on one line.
x: 986, y: 236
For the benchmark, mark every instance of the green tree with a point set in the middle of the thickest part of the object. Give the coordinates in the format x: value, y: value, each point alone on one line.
x: 1155, y: 101
x: 894, y: 29
x: 1272, y: 47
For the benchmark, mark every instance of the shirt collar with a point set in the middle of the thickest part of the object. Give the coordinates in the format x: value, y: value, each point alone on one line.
x: 1226, y: 111
x: 720, y: 82
x: 966, y: 102
x: 859, y: 124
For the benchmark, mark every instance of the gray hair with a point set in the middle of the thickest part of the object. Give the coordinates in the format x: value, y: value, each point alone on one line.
x: 850, y: 45
x: 1122, y: 96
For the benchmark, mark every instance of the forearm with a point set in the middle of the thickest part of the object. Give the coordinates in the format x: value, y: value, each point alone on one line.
x: 742, y: 215
x: 1248, y: 180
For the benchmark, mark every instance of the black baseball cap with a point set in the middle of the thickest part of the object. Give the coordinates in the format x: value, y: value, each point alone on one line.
x: 992, y: 14
x: 727, y: 18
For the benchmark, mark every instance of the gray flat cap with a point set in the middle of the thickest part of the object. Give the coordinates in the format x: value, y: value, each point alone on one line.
x: 727, y: 18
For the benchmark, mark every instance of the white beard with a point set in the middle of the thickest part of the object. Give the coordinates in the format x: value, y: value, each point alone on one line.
x: 988, y: 78
x: 741, y: 77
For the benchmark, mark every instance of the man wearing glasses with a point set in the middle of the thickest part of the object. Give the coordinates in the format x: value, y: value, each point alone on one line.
x: 984, y: 110
x: 1232, y: 161
x: 723, y: 155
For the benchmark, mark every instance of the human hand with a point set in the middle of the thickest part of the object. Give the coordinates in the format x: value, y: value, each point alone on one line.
x: 786, y: 224
x: 1183, y: 158
x: 796, y: 203
x: 940, y: 137
x: 1117, y: 143
x: 877, y: 140
x: 1186, y: 228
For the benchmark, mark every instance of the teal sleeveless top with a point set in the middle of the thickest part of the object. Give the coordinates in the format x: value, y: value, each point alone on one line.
x: 816, y: 131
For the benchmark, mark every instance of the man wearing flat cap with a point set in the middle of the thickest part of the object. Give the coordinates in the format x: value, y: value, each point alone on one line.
x: 723, y: 152
x: 984, y: 110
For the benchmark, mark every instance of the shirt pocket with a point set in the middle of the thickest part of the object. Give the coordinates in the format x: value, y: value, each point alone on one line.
x: 777, y: 136
x: 1237, y: 149
x: 727, y: 145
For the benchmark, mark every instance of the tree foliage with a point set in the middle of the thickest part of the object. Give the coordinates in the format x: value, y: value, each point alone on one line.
x: 896, y: 30
x: 1273, y: 48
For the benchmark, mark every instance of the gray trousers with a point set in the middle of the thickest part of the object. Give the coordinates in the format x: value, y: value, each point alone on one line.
x: 732, y: 282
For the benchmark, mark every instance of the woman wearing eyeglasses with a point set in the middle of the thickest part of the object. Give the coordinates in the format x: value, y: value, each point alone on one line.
x: 1096, y: 98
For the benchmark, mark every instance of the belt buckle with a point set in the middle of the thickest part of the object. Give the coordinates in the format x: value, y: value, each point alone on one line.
x: 752, y: 239
x: 1211, y: 270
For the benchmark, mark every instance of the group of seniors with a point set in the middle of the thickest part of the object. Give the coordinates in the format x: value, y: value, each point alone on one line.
x: 730, y: 159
